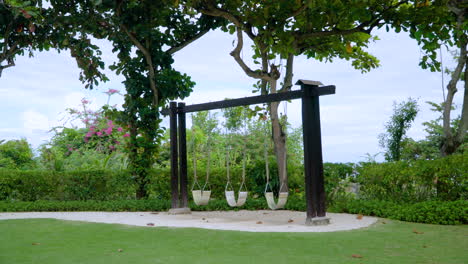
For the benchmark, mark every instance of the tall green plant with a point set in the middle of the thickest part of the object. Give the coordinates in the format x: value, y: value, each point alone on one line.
x: 16, y: 154
x: 403, y: 116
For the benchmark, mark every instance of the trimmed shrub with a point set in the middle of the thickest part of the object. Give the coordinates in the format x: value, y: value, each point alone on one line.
x: 429, y: 212
x: 415, y: 181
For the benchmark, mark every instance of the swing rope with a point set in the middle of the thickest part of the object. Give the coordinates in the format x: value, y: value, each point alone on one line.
x: 265, y: 152
x: 229, y: 192
x: 200, y: 195
x: 208, y: 161
x: 194, y: 158
x: 269, y: 195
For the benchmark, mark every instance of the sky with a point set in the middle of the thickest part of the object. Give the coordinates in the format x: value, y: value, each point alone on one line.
x: 35, y: 94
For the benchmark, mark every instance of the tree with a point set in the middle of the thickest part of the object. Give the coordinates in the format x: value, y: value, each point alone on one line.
x: 145, y: 35
x: 321, y: 30
x: 18, y: 30
x: 429, y: 147
x: 449, y: 29
x: 26, y: 26
x: 404, y: 114
x: 16, y: 154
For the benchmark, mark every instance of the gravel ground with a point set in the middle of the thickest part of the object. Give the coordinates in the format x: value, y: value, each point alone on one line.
x: 251, y: 221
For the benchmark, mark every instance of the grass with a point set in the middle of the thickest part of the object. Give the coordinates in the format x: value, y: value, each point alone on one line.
x: 54, y: 241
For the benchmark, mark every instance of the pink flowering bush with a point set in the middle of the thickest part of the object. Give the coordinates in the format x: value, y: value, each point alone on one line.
x: 102, y: 133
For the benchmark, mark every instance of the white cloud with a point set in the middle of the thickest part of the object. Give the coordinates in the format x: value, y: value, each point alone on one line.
x: 35, y: 121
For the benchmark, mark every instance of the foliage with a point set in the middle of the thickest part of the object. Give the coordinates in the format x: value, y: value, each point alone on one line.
x: 405, y: 181
x: 450, y: 29
x: 28, y: 26
x: 16, y: 154
x: 92, y: 181
x: 68, y: 185
x: 86, y: 205
x: 429, y: 147
x: 96, y: 146
x: 413, y: 181
x: 429, y: 212
x: 403, y: 115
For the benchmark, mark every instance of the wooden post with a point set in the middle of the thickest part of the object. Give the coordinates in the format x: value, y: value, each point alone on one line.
x: 313, y: 162
x: 174, y: 161
x: 182, y: 156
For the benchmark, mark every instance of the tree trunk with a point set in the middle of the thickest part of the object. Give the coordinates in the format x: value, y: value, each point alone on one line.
x: 450, y: 142
x: 279, y: 141
x: 141, y: 192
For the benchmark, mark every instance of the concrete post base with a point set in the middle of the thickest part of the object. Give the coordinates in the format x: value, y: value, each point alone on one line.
x: 316, y: 221
x: 176, y: 211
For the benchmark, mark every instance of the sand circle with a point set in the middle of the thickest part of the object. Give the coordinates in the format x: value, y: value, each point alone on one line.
x: 243, y: 220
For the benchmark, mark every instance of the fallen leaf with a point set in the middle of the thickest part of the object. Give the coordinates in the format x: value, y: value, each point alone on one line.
x: 150, y: 224
x: 259, y: 222
x: 359, y: 217
x: 356, y: 256
x: 290, y: 221
x: 265, y: 213
x: 203, y: 218
x: 154, y: 213
x: 424, y: 246
x: 141, y: 215
x: 417, y: 232
x: 36, y: 244
x: 120, y: 250
x: 383, y: 222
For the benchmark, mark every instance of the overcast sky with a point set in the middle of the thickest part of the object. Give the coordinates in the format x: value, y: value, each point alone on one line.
x: 35, y: 93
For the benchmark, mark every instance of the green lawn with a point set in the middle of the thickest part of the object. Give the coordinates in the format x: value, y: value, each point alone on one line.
x: 48, y: 241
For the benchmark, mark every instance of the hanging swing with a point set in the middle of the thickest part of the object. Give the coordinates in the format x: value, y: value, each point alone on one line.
x: 229, y: 190
x: 269, y: 195
x: 201, y: 196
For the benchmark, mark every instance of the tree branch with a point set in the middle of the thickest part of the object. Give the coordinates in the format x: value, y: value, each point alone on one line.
x: 372, y: 23
x: 11, y: 63
x: 149, y: 61
x: 463, y: 126
x: 287, y: 83
x: 209, y: 8
x: 299, y: 10
x: 184, y: 44
x: 236, y: 54
x: 451, y: 90
x: 7, y: 36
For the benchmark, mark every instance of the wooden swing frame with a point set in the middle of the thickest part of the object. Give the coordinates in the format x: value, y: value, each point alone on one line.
x: 313, y: 162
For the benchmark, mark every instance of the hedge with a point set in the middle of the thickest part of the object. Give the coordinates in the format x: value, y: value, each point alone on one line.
x: 433, y: 212
x: 415, y: 181
x: 398, y: 182
x: 119, y: 185
x: 429, y: 212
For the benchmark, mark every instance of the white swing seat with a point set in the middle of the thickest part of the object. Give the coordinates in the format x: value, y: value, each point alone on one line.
x: 282, y: 199
x: 231, y: 198
x: 201, y: 197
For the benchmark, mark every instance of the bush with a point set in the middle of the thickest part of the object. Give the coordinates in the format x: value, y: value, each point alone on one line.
x: 71, y: 185
x: 415, y: 181
x: 429, y: 212
x: 399, y: 182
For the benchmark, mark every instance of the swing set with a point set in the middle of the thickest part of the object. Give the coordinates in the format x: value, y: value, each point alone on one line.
x: 313, y: 163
